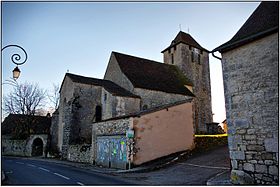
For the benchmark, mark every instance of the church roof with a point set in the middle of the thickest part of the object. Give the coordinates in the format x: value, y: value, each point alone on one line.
x: 185, y: 38
x: 152, y: 75
x: 263, y: 22
x: 111, y: 87
x: 16, y: 122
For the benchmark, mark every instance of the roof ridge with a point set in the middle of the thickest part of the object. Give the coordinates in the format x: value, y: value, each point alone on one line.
x: 139, y: 57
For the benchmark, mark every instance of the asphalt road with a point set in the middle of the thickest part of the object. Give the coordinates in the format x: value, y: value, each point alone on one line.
x: 33, y: 172
x: 196, y: 170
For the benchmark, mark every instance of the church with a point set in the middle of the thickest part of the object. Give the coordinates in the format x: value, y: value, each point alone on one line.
x: 134, y: 85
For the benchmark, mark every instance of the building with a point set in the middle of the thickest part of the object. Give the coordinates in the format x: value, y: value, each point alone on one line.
x: 250, y: 62
x: 25, y: 135
x: 157, y: 132
x: 132, y: 85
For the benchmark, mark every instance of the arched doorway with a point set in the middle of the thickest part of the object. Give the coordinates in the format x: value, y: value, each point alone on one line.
x: 37, y: 147
x: 98, y: 113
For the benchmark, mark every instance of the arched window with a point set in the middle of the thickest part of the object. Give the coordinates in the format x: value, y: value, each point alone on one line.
x: 98, y: 113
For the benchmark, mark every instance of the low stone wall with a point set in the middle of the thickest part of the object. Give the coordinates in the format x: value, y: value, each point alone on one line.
x: 80, y: 153
x: 207, y: 142
x: 14, y: 147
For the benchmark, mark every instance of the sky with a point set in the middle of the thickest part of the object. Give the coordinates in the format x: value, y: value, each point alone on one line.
x: 78, y: 37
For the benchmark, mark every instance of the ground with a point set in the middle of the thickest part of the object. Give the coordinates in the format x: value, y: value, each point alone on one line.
x: 196, y: 170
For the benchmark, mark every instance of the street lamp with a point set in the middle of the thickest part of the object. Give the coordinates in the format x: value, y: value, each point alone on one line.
x: 16, y: 59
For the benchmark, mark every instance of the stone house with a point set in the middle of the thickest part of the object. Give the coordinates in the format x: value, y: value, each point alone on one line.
x: 25, y: 135
x: 250, y: 62
x: 130, y: 85
x: 158, y: 132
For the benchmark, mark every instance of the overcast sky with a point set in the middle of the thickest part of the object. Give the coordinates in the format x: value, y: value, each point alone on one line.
x: 80, y: 37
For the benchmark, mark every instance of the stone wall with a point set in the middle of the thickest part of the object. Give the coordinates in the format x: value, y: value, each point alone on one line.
x: 251, y: 83
x: 114, y: 106
x: 54, y: 133
x: 77, y: 111
x: 199, y: 75
x: 152, y: 98
x: 80, y: 153
x: 14, y: 147
x: 114, y: 74
x: 22, y: 147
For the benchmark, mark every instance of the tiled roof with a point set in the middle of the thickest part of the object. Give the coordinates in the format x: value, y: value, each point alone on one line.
x: 264, y: 21
x: 111, y: 87
x: 151, y: 75
x: 185, y: 38
x: 38, y: 124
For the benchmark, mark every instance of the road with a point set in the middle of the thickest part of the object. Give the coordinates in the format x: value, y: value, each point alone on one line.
x: 196, y: 170
x: 35, y: 172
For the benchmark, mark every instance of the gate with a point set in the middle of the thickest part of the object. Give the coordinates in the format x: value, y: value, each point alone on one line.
x: 111, y: 151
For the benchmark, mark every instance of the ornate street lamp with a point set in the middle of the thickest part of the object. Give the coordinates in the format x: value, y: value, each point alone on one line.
x: 16, y: 59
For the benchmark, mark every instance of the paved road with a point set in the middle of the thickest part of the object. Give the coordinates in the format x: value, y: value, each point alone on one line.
x: 196, y: 170
x: 33, y: 172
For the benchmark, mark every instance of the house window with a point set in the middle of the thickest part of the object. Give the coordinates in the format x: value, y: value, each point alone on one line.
x: 98, y: 113
x: 198, y: 58
x: 169, y: 50
x: 175, y: 48
x: 105, y: 97
x: 192, y: 56
x: 172, y: 59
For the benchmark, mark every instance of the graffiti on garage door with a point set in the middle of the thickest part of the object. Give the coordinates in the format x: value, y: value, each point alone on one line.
x: 111, y: 151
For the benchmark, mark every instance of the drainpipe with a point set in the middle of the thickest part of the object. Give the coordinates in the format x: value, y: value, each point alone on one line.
x: 215, y: 55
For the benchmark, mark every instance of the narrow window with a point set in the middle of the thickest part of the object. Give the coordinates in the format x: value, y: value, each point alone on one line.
x: 169, y: 50
x: 192, y: 56
x: 172, y: 59
x: 105, y: 97
x: 98, y: 113
x: 175, y: 48
x: 198, y: 58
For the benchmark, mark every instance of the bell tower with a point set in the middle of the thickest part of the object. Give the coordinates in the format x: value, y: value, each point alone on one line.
x: 193, y: 60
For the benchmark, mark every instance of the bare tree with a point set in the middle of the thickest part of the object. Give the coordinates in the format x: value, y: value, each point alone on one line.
x: 53, y: 96
x: 25, y: 98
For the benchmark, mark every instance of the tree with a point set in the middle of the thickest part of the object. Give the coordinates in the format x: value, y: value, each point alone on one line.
x: 53, y: 96
x: 25, y: 98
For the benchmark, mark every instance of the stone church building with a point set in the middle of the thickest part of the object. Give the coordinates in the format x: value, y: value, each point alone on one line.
x: 133, y: 84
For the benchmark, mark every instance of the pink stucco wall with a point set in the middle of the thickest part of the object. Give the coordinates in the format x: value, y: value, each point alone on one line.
x: 163, y: 132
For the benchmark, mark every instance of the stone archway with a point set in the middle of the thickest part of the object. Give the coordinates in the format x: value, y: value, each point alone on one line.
x: 37, y: 147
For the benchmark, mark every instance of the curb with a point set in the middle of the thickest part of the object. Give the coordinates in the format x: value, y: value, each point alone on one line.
x: 221, y: 179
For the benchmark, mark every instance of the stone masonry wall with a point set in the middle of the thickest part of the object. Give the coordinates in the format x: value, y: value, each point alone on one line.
x: 115, y: 106
x: 54, y: 133
x: 77, y: 113
x: 80, y: 153
x: 251, y: 86
x: 114, y: 74
x: 22, y: 147
x: 13, y: 147
x: 199, y: 75
x: 152, y: 98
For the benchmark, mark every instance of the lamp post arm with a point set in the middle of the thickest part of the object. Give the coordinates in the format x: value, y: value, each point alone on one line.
x: 15, y: 58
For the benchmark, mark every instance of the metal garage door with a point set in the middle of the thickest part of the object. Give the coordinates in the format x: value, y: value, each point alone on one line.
x: 111, y: 151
